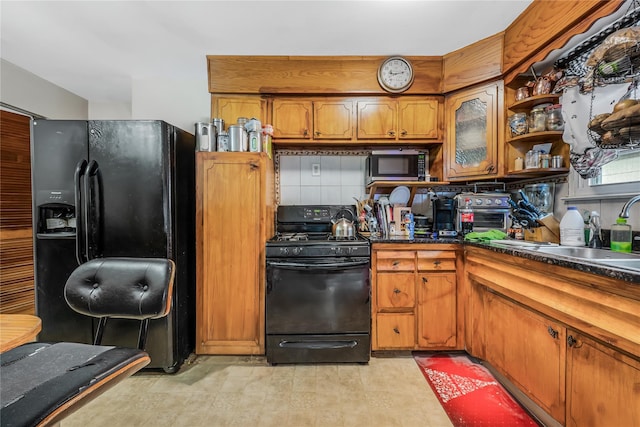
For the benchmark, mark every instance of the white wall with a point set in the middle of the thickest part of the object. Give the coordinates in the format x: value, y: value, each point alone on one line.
x: 22, y: 89
x: 181, y: 102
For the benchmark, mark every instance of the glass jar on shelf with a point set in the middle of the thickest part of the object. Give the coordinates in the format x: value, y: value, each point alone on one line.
x: 554, y: 117
x: 518, y: 124
x: 537, y: 119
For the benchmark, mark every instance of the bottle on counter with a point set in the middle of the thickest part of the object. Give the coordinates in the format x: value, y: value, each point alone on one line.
x: 595, y: 231
x: 466, y: 218
x: 621, y: 236
x: 572, y: 228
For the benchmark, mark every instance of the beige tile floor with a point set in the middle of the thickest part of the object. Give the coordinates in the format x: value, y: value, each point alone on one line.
x: 246, y: 391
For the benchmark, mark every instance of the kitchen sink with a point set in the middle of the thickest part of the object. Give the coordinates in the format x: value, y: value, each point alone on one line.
x: 584, y: 253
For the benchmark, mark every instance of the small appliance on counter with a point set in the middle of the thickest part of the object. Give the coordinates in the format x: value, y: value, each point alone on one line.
x: 444, y: 217
x: 490, y: 210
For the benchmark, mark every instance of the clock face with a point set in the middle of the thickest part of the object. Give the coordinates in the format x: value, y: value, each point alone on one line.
x: 395, y: 74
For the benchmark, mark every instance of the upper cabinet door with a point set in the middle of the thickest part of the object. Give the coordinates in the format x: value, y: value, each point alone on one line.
x: 472, y: 140
x: 377, y: 119
x: 292, y: 118
x: 418, y: 118
x: 333, y: 119
x: 229, y: 108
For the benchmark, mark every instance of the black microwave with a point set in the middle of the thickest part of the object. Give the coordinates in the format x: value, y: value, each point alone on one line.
x: 397, y: 165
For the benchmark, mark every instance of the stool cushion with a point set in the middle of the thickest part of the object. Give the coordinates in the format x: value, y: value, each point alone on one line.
x: 132, y: 288
x: 44, y: 382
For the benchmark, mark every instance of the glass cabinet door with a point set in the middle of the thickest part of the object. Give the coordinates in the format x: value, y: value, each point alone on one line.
x: 472, y: 141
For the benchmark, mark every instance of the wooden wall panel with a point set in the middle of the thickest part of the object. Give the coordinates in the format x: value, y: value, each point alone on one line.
x: 315, y: 74
x: 478, y: 62
x: 16, y: 242
x: 547, y: 25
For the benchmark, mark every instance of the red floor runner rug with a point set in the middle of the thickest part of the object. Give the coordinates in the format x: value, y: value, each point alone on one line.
x: 469, y: 394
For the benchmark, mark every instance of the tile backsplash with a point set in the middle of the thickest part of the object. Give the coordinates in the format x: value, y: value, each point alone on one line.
x: 322, y: 179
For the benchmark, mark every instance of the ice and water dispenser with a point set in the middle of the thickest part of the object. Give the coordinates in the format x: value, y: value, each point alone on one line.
x: 56, y: 212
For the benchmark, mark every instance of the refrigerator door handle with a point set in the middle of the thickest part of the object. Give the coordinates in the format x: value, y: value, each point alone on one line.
x: 92, y: 210
x: 81, y: 169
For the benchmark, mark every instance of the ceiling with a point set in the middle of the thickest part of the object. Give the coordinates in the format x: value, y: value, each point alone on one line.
x: 95, y: 49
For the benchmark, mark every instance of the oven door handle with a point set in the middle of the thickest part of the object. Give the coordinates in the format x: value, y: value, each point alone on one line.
x: 318, y: 345
x: 320, y: 266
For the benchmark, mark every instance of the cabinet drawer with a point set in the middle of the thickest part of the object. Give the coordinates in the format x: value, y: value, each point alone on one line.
x: 395, y: 290
x: 436, y: 260
x: 395, y: 261
x: 395, y: 331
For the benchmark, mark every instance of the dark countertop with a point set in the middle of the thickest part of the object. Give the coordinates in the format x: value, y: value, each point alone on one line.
x: 579, y: 264
x: 575, y: 263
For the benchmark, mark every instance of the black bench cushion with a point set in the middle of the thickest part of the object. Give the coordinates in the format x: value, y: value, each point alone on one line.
x: 42, y: 382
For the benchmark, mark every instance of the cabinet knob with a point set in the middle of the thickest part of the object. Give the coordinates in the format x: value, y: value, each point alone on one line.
x: 317, y: 133
x: 391, y: 133
x: 437, y: 263
x: 424, y: 280
x: 396, y: 330
x: 571, y: 341
x: 552, y: 332
x: 403, y: 132
x: 395, y: 263
x: 306, y: 132
x: 396, y: 291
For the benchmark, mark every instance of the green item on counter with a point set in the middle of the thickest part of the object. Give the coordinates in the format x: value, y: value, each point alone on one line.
x: 485, y: 236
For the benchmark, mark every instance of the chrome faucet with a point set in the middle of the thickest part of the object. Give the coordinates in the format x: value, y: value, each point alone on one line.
x: 624, y: 213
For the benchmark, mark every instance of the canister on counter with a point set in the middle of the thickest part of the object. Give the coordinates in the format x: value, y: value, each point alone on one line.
x: 255, y: 141
x: 223, y: 141
x: 219, y: 124
x: 557, y: 162
x: 205, y: 137
x: 238, y: 140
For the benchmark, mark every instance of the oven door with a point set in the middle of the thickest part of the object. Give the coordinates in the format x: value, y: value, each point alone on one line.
x: 318, y: 311
x: 318, y: 296
x: 488, y: 219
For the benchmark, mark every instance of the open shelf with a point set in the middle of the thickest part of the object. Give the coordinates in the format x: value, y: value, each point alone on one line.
x: 388, y: 186
x: 536, y: 136
x: 532, y: 173
x: 530, y: 102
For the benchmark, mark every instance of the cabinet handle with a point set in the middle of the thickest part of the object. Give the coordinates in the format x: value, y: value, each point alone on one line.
x: 424, y: 279
x: 306, y: 132
x: 490, y: 168
x: 437, y: 263
x: 552, y: 332
x: 396, y: 291
x: 391, y: 133
x: 396, y: 330
x: 395, y: 263
x: 571, y: 341
x: 403, y: 132
x: 317, y: 133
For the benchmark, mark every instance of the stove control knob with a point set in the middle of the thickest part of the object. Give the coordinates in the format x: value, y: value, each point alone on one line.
x: 284, y: 251
x: 338, y: 250
x: 296, y: 251
x: 478, y: 201
x: 489, y: 202
x: 498, y: 201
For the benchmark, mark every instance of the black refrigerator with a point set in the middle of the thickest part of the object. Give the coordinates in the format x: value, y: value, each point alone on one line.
x: 106, y: 189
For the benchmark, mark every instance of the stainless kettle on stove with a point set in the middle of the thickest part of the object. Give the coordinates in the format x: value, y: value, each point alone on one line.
x: 343, y: 227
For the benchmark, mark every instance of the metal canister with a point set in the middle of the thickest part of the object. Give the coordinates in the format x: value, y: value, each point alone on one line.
x: 219, y: 123
x: 255, y: 141
x: 205, y: 137
x: 223, y: 141
x: 238, y: 139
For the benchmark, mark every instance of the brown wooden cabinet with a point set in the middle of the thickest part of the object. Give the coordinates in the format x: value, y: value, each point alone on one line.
x: 230, y: 107
x: 234, y: 218
x: 317, y: 119
x: 474, y: 119
x: 528, y: 349
x: 566, y: 339
x: 409, y: 118
x: 602, y: 384
x: 414, y: 297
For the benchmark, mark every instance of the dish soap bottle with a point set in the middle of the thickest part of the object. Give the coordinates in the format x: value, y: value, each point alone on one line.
x: 621, y: 236
x: 572, y: 228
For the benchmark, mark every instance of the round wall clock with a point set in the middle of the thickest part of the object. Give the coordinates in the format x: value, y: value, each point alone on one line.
x: 395, y: 74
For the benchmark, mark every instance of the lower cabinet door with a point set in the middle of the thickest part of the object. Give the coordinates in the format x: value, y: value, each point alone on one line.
x: 529, y: 349
x: 603, y: 385
x: 395, y: 331
x: 437, y: 310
